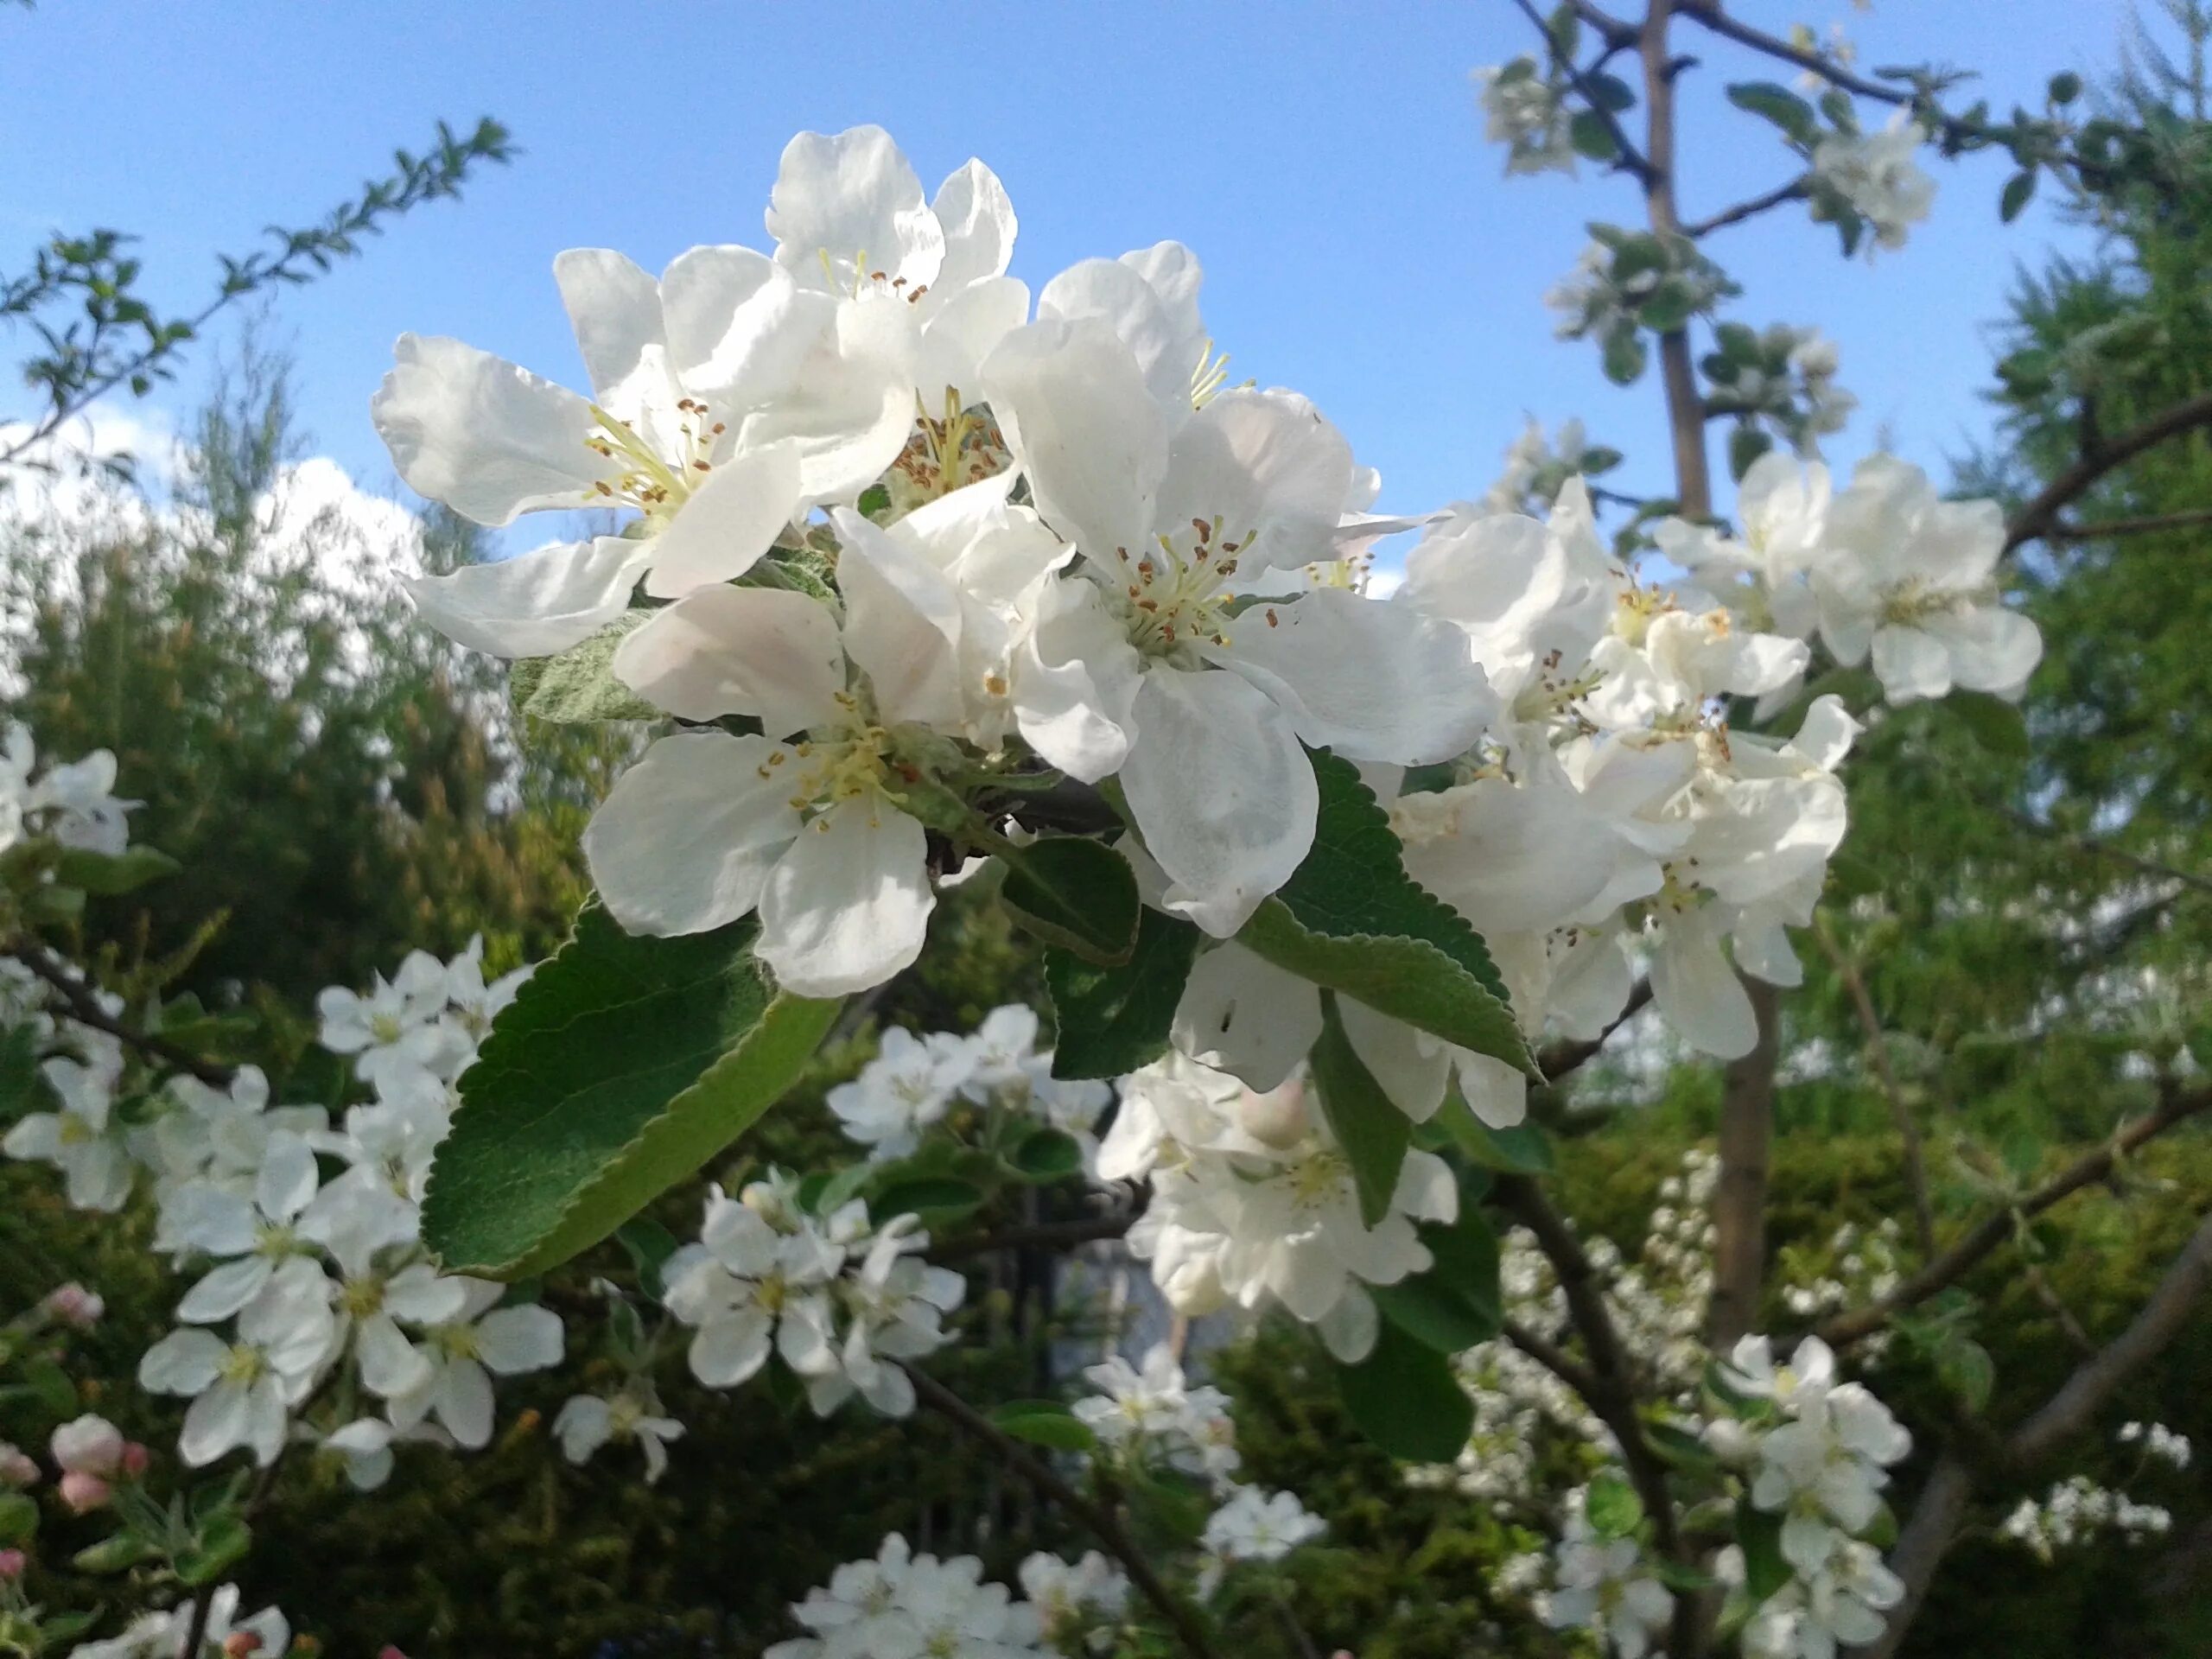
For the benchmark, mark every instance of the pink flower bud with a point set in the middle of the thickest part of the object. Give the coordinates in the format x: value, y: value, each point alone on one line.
x: 89, y: 1446
x: 240, y: 1644
x: 84, y: 1493
x: 12, y: 1563
x: 17, y: 1467
x: 73, y: 1305
x: 135, y: 1459
x: 388, y: 1652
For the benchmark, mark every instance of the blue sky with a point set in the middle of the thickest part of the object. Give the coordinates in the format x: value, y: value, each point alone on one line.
x: 1326, y: 161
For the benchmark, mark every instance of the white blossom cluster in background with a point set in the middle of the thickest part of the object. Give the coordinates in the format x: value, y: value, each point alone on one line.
x: 914, y: 1083
x: 1254, y: 1203
x: 2076, y: 1510
x: 1605, y: 1586
x: 840, y: 1301
x: 1875, y: 174
x: 1858, y: 1268
x: 300, y: 1240
x: 898, y: 1605
x: 74, y: 802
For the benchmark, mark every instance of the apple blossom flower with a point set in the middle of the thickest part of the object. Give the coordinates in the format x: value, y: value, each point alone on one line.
x: 259, y: 1233
x: 1605, y: 1586
x: 1253, y: 1526
x: 81, y: 1138
x: 89, y: 1445
x: 1152, y: 1411
x: 265, y: 1635
x: 464, y: 1351
x: 1875, y: 174
x: 907, y: 1087
x: 757, y: 1282
x: 244, y: 1389
x: 901, y: 1604
x: 891, y: 1303
x: 588, y: 1421
x: 18, y: 1467
x: 1073, y: 1597
x: 398, y: 1025
x: 72, y: 1305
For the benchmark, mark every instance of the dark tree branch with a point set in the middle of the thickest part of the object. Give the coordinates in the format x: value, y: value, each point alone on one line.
x: 83, y: 1008
x: 2038, y: 517
x: 2094, y: 847
x: 2146, y: 526
x: 1549, y: 1355
x: 1708, y: 13
x: 1556, y: 1059
x: 1994, y: 1229
x: 1044, y: 1234
x: 1103, y: 1523
x: 1795, y: 190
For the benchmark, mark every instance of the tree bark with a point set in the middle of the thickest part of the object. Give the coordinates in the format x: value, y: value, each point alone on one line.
x: 1739, y: 1201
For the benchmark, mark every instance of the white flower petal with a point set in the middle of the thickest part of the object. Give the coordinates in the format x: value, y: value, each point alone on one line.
x: 902, y: 625
x: 533, y: 604
x: 1241, y: 1015
x: 738, y: 651
x: 848, y: 906
x: 1072, y: 404
x: 686, y: 838
x: 486, y: 438
x: 614, y: 307
x: 526, y: 1337
x: 729, y: 521
x: 854, y: 197
x: 1265, y: 462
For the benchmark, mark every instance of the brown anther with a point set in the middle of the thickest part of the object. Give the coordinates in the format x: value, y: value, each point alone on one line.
x: 718, y: 429
x: 702, y: 466
x: 1229, y: 566
x: 1148, y: 604
x: 1274, y: 621
x: 1204, y: 529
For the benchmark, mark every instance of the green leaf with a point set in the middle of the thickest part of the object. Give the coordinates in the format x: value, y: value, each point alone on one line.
x: 1113, y: 1020
x: 1522, y: 1150
x: 1778, y: 105
x: 1667, y: 310
x: 1075, y: 893
x: 1048, y: 1155
x: 1455, y: 1303
x: 2065, y: 86
x: 1044, y: 1422
x: 623, y: 1065
x: 215, y: 1552
x: 2019, y: 190
x: 1759, y: 1536
x: 1406, y: 1398
x: 1352, y: 921
x: 18, y: 1519
x: 578, y: 684
x: 1996, y: 725
x: 97, y: 873
x: 1592, y: 136
x: 119, y: 1552
x: 648, y: 1245
x: 50, y: 1387
x: 937, y: 1200
x: 1747, y: 444
x: 1368, y: 1124
x: 1613, y: 1506
x: 1966, y: 1369
x: 1624, y: 357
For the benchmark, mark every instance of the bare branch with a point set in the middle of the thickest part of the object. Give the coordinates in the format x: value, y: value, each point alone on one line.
x: 1993, y: 1232
x: 1549, y: 1355
x: 1795, y: 190
x: 2094, y: 847
x: 1044, y: 1234
x: 1739, y: 1198
x: 2037, y: 518
x: 2146, y: 526
x: 1104, y: 1524
x: 1556, y: 1059
x: 1709, y: 12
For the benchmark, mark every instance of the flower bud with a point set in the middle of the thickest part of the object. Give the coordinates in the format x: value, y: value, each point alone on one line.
x: 88, y: 1446
x: 1276, y: 1118
x: 73, y: 1305
x: 17, y: 1467
x: 12, y: 1563
x: 240, y: 1644
x: 84, y: 1492
x: 1732, y: 1441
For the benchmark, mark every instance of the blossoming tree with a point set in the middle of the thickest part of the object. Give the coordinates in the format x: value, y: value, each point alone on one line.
x: 920, y: 579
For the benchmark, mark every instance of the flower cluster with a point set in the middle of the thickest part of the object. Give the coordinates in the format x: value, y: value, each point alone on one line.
x: 2075, y: 1510
x: 915, y: 1083
x: 1253, y: 1202
x: 1874, y: 176
x: 842, y: 1303
x: 1527, y: 111
x: 1606, y: 1584
x: 1148, y: 1415
x: 1048, y: 536
x: 898, y: 1605
x: 74, y: 804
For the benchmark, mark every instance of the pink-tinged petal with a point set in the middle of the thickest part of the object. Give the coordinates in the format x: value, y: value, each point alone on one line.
x: 848, y: 906
x: 684, y: 840
x: 765, y: 652
x: 486, y: 438
x: 1222, y: 792
x: 1370, y: 681
x: 533, y: 604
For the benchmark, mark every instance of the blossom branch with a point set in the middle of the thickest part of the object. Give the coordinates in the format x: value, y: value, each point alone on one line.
x: 1955, y: 1262
x: 1928, y: 1537
x: 1631, y: 159
x: 1877, y: 1054
x: 1103, y: 1523
x: 2041, y: 515
x: 1549, y: 1355
x: 83, y: 1008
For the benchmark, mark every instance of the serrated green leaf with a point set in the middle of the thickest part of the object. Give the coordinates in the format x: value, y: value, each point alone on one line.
x: 1611, y: 1505
x: 215, y: 1552
x: 97, y: 873
x: 621, y: 1067
x: 1368, y: 1125
x: 1076, y: 894
x: 1112, y: 1020
x: 1405, y: 1398
x: 1352, y: 921
x: 1455, y: 1303
x: 578, y: 684
x: 1524, y: 1149
x: 1044, y: 1422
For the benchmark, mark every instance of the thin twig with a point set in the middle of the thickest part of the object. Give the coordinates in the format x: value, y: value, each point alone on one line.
x: 1044, y: 1234
x: 83, y: 1008
x: 1795, y: 190
x: 1632, y: 159
x: 1994, y: 1229
x: 1549, y: 1355
x: 2094, y: 847
x: 1103, y: 1523
x: 2039, y: 515
x: 2145, y: 526
x: 1556, y: 1059
x: 1877, y: 1054
x: 1709, y: 12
